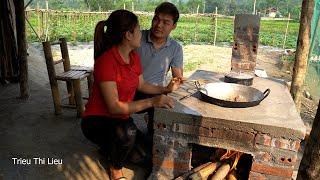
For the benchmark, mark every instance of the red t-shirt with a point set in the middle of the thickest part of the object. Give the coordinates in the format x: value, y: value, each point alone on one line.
x: 111, y: 67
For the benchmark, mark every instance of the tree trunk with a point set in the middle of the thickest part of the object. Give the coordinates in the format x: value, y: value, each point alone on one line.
x: 310, y: 163
x: 302, y: 52
x: 22, y: 48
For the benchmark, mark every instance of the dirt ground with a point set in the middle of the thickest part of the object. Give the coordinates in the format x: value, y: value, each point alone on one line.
x: 29, y: 129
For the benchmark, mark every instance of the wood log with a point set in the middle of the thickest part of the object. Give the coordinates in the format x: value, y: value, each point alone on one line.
x: 205, y: 172
x: 301, y: 58
x: 232, y: 175
x: 196, y: 169
x: 221, y: 172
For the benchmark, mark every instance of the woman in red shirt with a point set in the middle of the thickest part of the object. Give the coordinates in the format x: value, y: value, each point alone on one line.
x: 117, y: 75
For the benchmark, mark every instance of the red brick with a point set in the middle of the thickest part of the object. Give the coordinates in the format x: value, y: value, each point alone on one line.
x: 288, y: 160
x: 280, y: 143
x: 180, y: 143
x: 295, y: 145
x: 263, y: 139
x: 263, y: 156
x: 172, y: 154
x: 271, y: 170
x: 256, y: 176
x: 171, y: 164
x: 233, y: 135
x: 192, y: 130
x: 160, y: 126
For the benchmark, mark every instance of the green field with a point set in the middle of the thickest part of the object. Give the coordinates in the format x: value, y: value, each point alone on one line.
x: 190, y: 30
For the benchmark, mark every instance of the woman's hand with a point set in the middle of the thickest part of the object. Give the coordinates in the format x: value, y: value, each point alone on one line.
x: 162, y: 101
x: 174, y: 84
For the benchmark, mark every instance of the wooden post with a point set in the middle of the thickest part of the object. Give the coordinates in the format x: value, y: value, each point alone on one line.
x: 132, y: 6
x: 254, y: 7
x: 42, y: 25
x: 66, y: 67
x: 311, y: 156
x: 195, y: 32
x: 22, y: 49
x: 285, y: 35
x: 215, y: 26
x: 52, y: 77
x: 38, y: 19
x: 78, y: 96
x: 47, y: 19
x: 302, y: 52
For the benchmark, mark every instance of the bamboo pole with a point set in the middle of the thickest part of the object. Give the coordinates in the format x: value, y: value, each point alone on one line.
x: 302, y: 52
x: 285, y: 35
x: 215, y: 26
x: 196, y: 25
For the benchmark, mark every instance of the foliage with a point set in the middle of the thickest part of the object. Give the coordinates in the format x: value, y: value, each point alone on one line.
x: 190, y: 29
x: 230, y: 7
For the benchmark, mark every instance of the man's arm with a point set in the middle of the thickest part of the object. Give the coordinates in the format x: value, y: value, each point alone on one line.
x: 177, y: 72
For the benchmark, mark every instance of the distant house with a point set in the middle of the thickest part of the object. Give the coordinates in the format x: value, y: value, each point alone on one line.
x: 272, y: 12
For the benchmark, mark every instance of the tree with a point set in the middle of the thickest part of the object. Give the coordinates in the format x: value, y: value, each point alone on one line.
x: 310, y: 163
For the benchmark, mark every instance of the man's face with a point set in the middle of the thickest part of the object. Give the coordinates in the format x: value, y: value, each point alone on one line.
x: 162, y: 25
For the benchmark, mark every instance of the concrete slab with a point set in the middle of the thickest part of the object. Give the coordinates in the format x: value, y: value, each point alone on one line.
x: 276, y: 115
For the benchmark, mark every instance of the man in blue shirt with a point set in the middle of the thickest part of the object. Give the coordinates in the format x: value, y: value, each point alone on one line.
x: 159, y: 53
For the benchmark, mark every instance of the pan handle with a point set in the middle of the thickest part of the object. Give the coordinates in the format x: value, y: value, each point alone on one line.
x: 199, y: 88
x: 197, y: 84
x: 265, y: 94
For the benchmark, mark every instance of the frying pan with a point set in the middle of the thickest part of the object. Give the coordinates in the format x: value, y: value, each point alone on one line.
x: 230, y: 94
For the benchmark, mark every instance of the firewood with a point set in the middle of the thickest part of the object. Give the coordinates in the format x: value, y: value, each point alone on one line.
x: 205, y: 172
x: 221, y: 172
x: 232, y: 175
x: 196, y: 169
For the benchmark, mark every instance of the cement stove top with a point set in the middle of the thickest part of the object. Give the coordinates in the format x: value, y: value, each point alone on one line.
x: 276, y: 115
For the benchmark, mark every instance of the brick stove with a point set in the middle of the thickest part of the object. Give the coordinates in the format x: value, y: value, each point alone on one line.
x: 270, y: 132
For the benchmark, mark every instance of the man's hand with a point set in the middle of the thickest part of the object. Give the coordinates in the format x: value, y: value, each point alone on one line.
x: 175, y: 84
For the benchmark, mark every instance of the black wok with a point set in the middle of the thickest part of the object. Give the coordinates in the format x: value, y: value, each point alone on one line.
x: 231, y: 95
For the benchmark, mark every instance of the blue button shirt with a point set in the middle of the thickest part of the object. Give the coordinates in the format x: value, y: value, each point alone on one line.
x: 157, y: 62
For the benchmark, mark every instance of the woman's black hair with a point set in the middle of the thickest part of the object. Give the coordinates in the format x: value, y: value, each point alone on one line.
x: 111, y: 31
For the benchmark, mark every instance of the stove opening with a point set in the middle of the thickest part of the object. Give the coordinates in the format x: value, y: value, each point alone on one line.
x: 218, y: 163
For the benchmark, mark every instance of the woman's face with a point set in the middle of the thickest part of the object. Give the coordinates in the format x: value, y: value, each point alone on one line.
x: 136, y: 37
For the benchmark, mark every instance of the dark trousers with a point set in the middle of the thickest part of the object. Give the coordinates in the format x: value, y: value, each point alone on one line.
x: 150, y: 111
x: 115, y: 137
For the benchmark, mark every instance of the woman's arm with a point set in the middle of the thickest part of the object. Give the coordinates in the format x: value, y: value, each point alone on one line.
x: 110, y: 95
x: 148, y: 88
